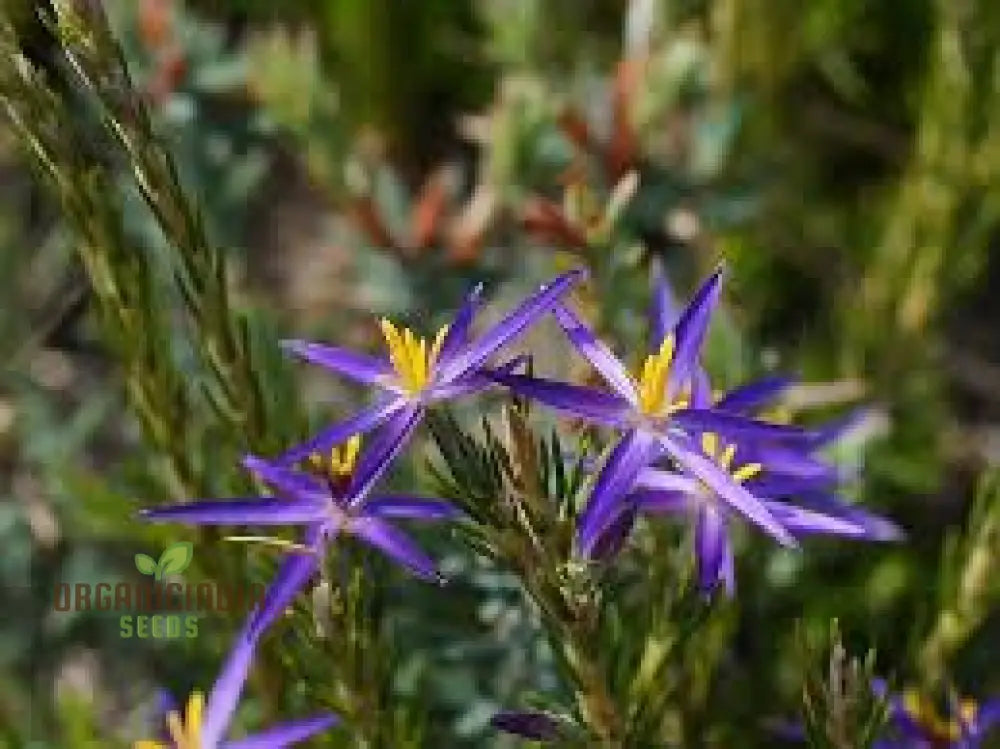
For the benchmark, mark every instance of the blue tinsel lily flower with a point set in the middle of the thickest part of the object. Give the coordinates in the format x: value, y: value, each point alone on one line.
x: 916, y: 723
x: 330, y: 500
x: 770, y: 472
x: 654, y: 415
x: 203, y: 724
x: 417, y: 372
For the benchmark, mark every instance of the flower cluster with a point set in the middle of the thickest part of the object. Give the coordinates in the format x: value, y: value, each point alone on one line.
x: 915, y: 722
x: 679, y: 448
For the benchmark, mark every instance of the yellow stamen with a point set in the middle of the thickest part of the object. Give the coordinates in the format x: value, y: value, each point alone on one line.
x: 652, y: 382
x: 410, y: 355
x: 341, y: 461
x: 344, y: 457
x: 924, y: 713
x: 968, y: 710
x: 710, y: 444
x: 183, y: 735
x: 747, y: 472
x: 726, y: 459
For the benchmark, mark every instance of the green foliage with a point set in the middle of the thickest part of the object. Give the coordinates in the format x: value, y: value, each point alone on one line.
x: 970, y: 587
x: 842, y: 158
x: 841, y: 709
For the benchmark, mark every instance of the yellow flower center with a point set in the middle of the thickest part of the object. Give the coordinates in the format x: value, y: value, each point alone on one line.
x: 923, y: 712
x: 337, y: 468
x: 184, y: 735
x: 711, y: 444
x: 411, y: 356
x: 652, y: 382
x: 341, y: 460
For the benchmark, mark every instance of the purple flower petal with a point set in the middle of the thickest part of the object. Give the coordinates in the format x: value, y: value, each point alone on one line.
x: 875, y: 528
x: 378, y: 456
x: 509, y: 328
x: 691, y: 329
x: 710, y: 540
x: 989, y: 716
x: 789, y: 462
x: 414, y: 508
x: 880, y: 687
x: 368, y: 370
x: 778, y: 486
x: 285, y: 734
x: 611, y: 541
x: 701, y: 388
x: 396, y: 545
x: 599, y: 355
x: 667, y: 481
x: 802, y: 521
x: 475, y: 382
x: 164, y: 704
x: 898, y: 714
x: 360, y: 423
x: 256, y: 511
x: 285, y: 479
x: 468, y: 385
x: 728, y: 490
x: 728, y: 567
x: 663, y: 310
x: 458, y: 332
x: 659, y: 502
x: 529, y: 724
x: 593, y: 405
x: 633, y: 452
x: 738, y: 427
x: 292, y: 576
x: 754, y: 395
x: 228, y: 687
x: 830, y: 432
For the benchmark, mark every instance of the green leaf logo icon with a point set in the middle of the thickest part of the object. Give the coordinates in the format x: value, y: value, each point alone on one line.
x: 175, y: 559
x: 145, y: 564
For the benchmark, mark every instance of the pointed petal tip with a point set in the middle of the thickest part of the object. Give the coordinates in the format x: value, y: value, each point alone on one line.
x: 574, y: 275
x: 327, y: 720
x: 252, y: 462
x: 887, y: 531
x: 787, y: 540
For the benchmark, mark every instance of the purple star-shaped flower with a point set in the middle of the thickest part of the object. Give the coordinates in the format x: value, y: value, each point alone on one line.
x: 204, y: 724
x: 654, y: 415
x: 332, y: 500
x: 916, y: 724
x: 418, y: 372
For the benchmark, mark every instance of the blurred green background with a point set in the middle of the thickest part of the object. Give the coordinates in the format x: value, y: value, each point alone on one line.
x: 356, y: 157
